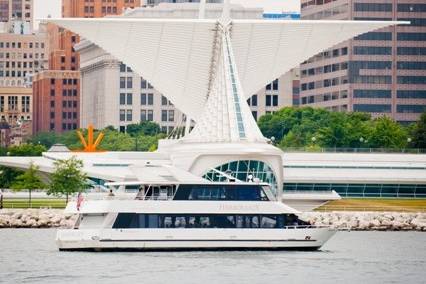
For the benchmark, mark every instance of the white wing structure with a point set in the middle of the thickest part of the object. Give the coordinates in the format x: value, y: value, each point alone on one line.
x: 208, y: 68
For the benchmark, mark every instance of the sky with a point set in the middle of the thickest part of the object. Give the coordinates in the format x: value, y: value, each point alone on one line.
x: 43, y: 8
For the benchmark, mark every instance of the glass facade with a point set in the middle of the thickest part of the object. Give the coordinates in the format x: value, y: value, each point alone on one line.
x: 242, y: 170
x: 363, y: 190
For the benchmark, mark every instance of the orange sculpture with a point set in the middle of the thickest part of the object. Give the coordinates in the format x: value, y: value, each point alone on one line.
x: 90, y: 146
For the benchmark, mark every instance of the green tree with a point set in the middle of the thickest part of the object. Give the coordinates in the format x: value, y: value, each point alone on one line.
x: 419, y: 133
x: 7, y: 176
x: 28, y: 180
x: 388, y: 134
x: 26, y: 150
x: 67, y: 178
x: 47, y: 139
x: 147, y: 128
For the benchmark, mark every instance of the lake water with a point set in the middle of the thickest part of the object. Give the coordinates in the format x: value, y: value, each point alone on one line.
x: 30, y: 256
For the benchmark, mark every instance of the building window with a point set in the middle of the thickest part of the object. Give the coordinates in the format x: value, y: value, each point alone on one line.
x: 411, y: 108
x: 376, y: 94
x: 122, y: 99
x: 411, y: 51
x: 372, y: 79
x: 411, y: 94
x: 375, y: 36
x: 412, y: 80
x: 143, y: 83
x: 143, y: 115
x: 164, y: 115
x: 122, y: 115
x: 171, y: 115
x: 275, y: 85
x: 122, y: 82
x: 372, y: 50
x: 129, y: 82
x: 164, y: 101
x: 411, y: 65
x: 25, y: 104
x: 275, y: 100
x: 129, y: 115
x: 129, y: 99
x: 252, y: 101
x: 373, y: 7
x: 379, y: 108
x: 150, y: 115
x: 268, y: 101
x: 122, y: 67
x: 411, y: 36
x: 413, y: 8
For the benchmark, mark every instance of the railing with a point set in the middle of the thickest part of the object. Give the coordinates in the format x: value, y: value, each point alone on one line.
x: 355, y: 150
x: 35, y: 204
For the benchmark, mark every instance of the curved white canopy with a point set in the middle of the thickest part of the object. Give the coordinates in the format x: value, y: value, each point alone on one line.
x: 177, y: 55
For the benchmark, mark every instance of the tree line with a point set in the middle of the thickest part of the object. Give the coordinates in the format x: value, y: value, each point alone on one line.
x: 317, y: 127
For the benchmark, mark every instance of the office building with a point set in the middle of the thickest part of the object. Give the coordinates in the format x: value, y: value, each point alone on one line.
x: 382, y: 72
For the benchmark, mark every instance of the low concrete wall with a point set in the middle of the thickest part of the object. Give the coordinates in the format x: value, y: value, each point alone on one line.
x: 362, y: 221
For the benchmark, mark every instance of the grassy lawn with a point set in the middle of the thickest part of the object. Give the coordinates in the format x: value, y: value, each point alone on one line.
x: 375, y: 204
x: 35, y: 203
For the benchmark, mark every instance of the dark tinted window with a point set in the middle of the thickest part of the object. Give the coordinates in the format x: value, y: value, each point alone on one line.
x: 220, y: 192
x: 223, y: 221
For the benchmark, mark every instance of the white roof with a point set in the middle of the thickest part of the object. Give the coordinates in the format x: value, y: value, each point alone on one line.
x: 176, y: 55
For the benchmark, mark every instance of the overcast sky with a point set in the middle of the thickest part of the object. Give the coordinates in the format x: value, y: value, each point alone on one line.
x: 43, y: 8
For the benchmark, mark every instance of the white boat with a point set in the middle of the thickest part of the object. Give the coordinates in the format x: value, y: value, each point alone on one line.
x: 188, y: 216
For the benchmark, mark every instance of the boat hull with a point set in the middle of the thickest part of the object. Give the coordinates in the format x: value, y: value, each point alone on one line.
x: 193, y: 239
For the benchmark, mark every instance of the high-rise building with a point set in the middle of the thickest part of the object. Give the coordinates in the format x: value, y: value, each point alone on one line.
x: 16, y: 16
x: 114, y: 95
x: 381, y: 72
x: 57, y: 91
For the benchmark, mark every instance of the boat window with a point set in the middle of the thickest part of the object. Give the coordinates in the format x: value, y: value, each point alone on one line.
x: 221, y: 192
x: 224, y: 221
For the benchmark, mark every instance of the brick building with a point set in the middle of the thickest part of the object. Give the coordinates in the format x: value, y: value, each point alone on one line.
x: 57, y: 91
x: 381, y: 72
x: 59, y: 111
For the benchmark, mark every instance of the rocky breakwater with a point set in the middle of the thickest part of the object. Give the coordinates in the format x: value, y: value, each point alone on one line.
x: 368, y: 221
x: 35, y: 218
